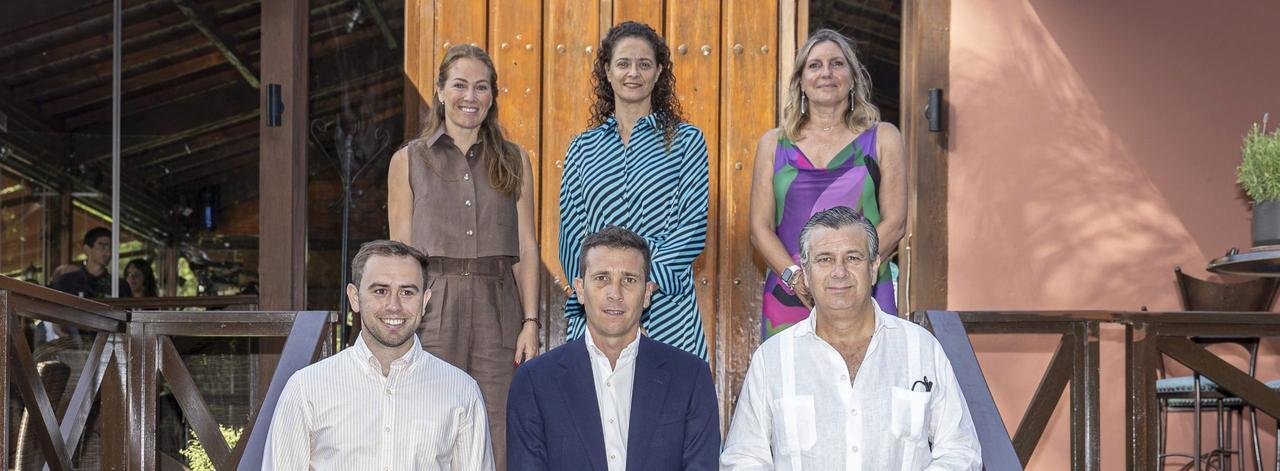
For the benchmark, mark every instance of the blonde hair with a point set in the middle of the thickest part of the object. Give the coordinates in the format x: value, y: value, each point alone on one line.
x: 861, y: 113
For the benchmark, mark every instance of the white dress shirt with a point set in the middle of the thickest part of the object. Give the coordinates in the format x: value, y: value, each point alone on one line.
x: 613, y: 395
x: 798, y: 409
x: 342, y: 413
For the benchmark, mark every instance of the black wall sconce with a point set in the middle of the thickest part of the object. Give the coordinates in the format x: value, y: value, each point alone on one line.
x: 275, y: 105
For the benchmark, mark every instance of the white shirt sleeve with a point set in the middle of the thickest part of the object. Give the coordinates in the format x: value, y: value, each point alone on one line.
x: 747, y: 446
x: 955, y: 441
x: 473, y: 450
x: 289, y: 439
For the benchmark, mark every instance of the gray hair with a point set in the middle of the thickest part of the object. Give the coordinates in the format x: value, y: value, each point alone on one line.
x: 838, y: 217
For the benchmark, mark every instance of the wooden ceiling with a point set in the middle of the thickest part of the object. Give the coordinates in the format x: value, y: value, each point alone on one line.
x: 190, y: 96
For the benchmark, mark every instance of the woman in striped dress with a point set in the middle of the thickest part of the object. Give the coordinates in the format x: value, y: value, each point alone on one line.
x: 831, y: 150
x: 642, y: 167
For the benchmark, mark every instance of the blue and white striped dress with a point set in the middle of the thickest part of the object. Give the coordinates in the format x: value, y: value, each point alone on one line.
x: 657, y: 193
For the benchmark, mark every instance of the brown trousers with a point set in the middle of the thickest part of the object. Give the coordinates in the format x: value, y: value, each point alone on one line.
x: 472, y: 320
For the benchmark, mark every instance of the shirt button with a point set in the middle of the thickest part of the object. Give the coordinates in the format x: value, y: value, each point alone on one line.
x: 466, y: 176
x: 608, y: 383
x: 388, y: 391
x: 613, y: 457
x: 470, y: 233
x: 467, y: 203
x: 844, y: 377
x: 386, y: 429
x: 611, y: 420
x: 853, y: 411
x: 854, y: 448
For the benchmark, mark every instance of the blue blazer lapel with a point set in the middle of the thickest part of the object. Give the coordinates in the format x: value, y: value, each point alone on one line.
x: 579, y: 390
x: 647, y: 396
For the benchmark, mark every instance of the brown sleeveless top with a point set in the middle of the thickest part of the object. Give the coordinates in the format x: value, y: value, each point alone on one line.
x: 456, y: 212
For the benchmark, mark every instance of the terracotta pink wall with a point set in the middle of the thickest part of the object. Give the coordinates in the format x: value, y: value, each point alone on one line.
x: 1093, y: 149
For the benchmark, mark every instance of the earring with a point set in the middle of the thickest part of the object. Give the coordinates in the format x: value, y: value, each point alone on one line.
x: 853, y: 101
x: 803, y: 99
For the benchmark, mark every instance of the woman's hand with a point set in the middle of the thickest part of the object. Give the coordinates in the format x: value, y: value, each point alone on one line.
x: 801, y: 289
x: 527, y: 342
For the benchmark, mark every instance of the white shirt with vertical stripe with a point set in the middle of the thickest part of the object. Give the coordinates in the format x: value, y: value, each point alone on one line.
x: 614, y: 385
x: 903, y: 411
x: 342, y: 413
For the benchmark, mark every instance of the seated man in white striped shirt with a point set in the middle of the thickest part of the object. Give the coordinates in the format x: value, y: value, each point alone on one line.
x: 384, y: 403
x: 850, y: 387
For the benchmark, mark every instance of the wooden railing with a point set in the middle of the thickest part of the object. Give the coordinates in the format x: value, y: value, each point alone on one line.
x: 175, y: 303
x: 59, y: 427
x: 132, y: 352
x: 153, y: 356
x: 1148, y: 337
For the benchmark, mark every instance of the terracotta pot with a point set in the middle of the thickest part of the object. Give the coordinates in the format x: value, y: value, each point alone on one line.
x: 1266, y: 223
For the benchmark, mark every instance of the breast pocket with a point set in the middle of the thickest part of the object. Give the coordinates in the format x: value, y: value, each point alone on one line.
x: 794, y: 424
x: 910, y: 414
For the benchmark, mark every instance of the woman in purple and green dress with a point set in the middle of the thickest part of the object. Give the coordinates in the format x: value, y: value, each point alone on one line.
x: 831, y: 150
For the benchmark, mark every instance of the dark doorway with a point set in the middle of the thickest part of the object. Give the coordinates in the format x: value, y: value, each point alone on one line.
x: 875, y: 26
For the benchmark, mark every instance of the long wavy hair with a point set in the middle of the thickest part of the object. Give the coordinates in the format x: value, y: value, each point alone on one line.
x: 663, y: 100
x: 501, y: 157
x: 861, y: 113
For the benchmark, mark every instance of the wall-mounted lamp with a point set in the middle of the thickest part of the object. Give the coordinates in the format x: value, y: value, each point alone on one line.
x: 275, y: 106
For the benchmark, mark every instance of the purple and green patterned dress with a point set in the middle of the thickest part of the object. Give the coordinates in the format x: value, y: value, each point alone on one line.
x: 800, y: 189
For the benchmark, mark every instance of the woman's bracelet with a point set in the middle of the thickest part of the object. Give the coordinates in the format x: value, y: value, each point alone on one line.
x: 531, y: 319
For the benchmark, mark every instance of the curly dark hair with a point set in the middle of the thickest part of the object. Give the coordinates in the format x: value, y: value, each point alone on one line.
x: 664, y: 101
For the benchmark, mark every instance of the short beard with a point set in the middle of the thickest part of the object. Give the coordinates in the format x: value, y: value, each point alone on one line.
x: 378, y: 337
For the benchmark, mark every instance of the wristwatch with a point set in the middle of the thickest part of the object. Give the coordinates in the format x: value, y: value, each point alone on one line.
x: 790, y: 274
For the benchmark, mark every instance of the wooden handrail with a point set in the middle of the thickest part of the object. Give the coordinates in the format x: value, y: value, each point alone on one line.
x: 239, y: 302
x: 66, y: 302
x: 997, y: 449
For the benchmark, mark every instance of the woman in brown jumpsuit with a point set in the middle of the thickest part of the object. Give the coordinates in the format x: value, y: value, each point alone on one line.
x: 463, y: 195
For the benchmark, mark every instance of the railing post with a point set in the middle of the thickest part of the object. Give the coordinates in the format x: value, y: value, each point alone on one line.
x: 1084, y: 397
x: 114, y: 416
x: 1141, y: 356
x: 141, y: 389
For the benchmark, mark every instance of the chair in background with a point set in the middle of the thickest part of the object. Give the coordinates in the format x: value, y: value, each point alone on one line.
x: 1193, y: 393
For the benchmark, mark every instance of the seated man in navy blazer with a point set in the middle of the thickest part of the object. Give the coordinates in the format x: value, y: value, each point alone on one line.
x: 614, y: 399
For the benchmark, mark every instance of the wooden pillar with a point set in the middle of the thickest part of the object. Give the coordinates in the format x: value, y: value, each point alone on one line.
x: 282, y: 181
x: 926, y: 47
x: 282, y: 245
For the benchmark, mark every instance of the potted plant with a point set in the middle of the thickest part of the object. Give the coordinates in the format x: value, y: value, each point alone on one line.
x: 1259, y: 175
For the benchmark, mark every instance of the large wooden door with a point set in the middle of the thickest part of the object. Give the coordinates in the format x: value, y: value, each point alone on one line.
x: 726, y: 58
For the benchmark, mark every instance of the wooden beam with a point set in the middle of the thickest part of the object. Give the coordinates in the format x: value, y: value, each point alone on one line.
x: 1047, y: 396
x: 203, y: 20
x: 376, y: 12
x: 193, y: 405
x: 925, y: 65
x: 283, y: 169
x: 37, y: 402
x: 39, y: 37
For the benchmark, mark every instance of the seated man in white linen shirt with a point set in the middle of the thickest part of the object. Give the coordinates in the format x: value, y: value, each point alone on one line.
x: 383, y: 403
x: 850, y: 387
